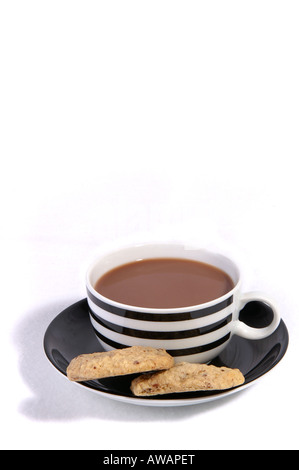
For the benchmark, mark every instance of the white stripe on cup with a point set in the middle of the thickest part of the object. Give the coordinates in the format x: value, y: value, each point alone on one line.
x: 163, y: 343
x: 161, y: 326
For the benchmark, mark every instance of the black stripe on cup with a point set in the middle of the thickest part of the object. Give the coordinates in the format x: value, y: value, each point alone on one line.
x: 162, y: 317
x: 173, y: 352
x: 162, y: 334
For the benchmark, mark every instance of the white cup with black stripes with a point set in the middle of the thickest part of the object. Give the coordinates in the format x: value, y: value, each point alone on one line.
x: 190, y: 330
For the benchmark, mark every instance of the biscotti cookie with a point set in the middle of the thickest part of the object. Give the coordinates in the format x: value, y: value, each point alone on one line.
x: 135, y: 359
x: 187, y: 377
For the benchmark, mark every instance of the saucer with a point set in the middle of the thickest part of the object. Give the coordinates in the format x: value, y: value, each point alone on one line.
x: 71, y: 334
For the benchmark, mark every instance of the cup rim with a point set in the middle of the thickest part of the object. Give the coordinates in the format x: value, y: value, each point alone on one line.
x: 136, y: 308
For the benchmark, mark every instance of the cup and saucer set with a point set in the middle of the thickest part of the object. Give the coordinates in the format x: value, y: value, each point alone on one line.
x: 227, y: 328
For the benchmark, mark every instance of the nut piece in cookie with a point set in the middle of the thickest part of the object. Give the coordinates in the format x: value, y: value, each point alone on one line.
x: 131, y: 360
x: 187, y: 377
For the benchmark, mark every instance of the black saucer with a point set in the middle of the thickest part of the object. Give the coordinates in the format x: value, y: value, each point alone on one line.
x: 71, y: 334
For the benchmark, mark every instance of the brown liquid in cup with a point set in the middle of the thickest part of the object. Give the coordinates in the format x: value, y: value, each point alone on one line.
x: 164, y: 283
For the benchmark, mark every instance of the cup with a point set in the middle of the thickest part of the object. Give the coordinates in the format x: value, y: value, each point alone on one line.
x: 197, y: 333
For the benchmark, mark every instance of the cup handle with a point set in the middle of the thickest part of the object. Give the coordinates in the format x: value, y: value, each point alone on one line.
x: 241, y: 329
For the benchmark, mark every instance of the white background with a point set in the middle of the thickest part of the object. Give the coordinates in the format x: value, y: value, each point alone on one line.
x: 131, y: 121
